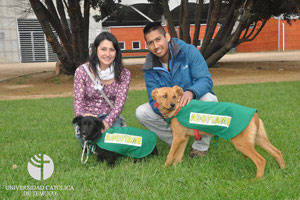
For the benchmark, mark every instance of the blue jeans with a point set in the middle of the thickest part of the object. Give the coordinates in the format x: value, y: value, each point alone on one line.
x: 102, y: 117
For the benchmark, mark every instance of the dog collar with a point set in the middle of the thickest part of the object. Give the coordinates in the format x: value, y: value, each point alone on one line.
x: 170, y: 118
x: 176, y: 112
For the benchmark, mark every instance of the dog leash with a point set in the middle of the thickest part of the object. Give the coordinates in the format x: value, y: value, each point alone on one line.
x: 88, y: 148
x: 97, y: 87
x: 85, y: 147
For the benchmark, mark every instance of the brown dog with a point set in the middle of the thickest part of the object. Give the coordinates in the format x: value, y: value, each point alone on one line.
x: 254, y: 133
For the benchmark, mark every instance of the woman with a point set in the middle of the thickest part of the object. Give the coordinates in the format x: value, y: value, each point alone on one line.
x: 103, y: 71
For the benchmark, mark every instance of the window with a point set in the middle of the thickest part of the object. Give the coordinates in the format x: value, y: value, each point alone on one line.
x: 90, y: 48
x: 122, y: 45
x: 146, y: 47
x: 136, y: 45
x: 199, y: 43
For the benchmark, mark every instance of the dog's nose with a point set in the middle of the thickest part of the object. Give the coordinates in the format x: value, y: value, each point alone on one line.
x: 172, y: 105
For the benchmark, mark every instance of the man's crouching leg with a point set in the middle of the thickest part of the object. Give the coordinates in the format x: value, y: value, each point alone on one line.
x: 200, y: 147
x: 154, y: 122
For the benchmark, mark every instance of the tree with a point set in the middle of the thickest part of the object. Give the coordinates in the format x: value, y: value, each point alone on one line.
x: 69, y: 19
x: 239, y: 21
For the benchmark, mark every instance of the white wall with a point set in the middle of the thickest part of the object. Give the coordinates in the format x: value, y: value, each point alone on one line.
x: 9, y: 45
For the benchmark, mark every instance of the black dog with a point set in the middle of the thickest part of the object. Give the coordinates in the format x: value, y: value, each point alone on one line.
x: 91, y: 130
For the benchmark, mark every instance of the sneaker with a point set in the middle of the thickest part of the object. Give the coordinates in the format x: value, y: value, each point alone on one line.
x: 196, y: 153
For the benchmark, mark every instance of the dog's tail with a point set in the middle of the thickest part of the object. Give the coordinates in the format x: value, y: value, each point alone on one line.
x: 263, y: 141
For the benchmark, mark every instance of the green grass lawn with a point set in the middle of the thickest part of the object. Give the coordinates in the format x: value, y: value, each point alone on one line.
x: 30, y: 127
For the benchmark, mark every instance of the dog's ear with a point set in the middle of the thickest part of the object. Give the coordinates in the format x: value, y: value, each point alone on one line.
x: 77, y: 119
x: 178, y: 90
x: 99, y: 124
x: 154, y: 93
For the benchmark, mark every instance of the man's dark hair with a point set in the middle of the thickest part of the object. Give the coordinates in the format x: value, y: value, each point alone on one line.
x: 154, y: 26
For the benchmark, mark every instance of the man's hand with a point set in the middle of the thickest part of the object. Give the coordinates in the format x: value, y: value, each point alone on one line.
x: 185, y: 98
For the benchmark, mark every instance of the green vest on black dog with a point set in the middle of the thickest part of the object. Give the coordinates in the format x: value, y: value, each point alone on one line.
x: 225, y: 120
x: 128, y: 141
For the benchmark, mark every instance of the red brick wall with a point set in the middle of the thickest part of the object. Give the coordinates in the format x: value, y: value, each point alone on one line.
x: 129, y: 34
x: 267, y: 40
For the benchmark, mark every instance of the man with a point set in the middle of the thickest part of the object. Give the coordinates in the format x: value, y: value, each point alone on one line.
x: 173, y: 62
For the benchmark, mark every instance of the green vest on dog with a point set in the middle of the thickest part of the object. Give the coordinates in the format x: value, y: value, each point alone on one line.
x: 225, y: 120
x: 133, y: 142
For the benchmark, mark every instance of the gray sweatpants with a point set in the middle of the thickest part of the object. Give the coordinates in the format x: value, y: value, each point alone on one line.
x: 158, y: 125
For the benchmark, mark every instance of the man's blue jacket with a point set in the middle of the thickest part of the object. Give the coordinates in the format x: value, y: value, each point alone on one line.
x: 188, y: 70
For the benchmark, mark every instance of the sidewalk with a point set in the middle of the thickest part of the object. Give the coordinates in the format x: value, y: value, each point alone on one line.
x: 12, y: 70
x: 262, y: 57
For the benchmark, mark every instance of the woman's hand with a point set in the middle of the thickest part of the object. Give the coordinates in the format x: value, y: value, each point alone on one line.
x: 106, y: 126
x: 89, y: 114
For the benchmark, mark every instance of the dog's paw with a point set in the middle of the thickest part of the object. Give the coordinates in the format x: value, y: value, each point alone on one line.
x: 137, y: 160
x: 111, y: 162
x: 176, y: 162
x: 111, y: 165
x: 154, y: 152
x: 100, y: 159
x: 168, y: 163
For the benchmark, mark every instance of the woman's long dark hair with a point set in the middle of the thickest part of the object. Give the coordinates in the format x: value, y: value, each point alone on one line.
x: 118, y: 66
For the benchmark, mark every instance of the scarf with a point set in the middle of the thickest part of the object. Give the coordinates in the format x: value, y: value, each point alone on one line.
x: 106, y: 74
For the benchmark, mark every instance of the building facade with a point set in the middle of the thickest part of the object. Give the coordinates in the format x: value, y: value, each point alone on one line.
x: 277, y: 35
x: 133, y: 45
x: 9, y: 46
x: 22, y: 38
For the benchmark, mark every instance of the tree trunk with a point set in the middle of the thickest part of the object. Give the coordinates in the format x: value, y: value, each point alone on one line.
x: 211, y: 27
x: 227, y: 47
x: 184, y: 21
x: 235, y: 38
x: 224, y: 32
x: 238, y: 16
x: 169, y: 18
x: 72, y: 49
x: 67, y: 44
x: 79, y: 37
x: 39, y: 10
x: 198, y: 12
